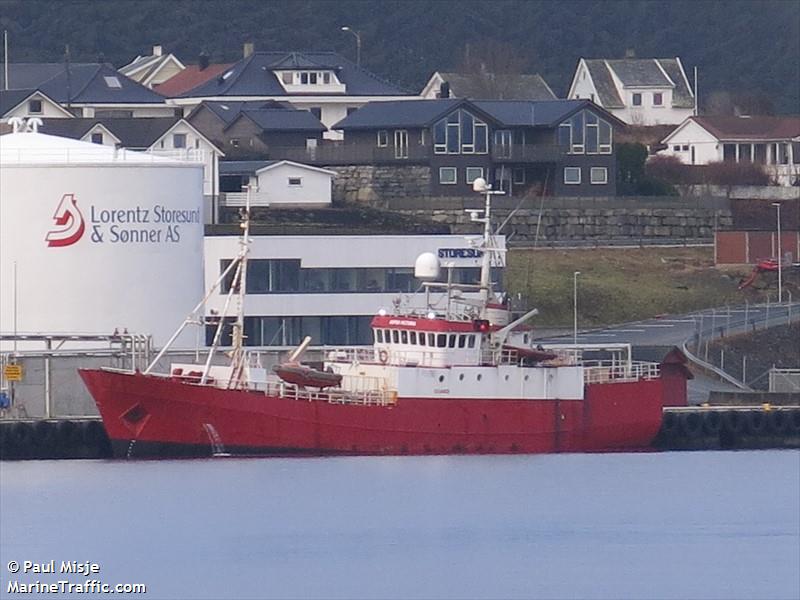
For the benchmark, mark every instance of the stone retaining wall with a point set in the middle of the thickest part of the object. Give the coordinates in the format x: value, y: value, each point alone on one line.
x: 593, y: 223
x: 376, y: 185
x: 406, y: 190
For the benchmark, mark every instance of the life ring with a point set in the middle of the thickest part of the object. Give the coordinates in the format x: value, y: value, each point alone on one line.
x: 383, y: 355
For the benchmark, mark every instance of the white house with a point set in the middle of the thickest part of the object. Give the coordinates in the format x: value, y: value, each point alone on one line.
x: 153, y: 69
x: 276, y: 183
x: 638, y: 91
x: 770, y: 141
x: 324, y: 83
x: 487, y: 86
x: 30, y: 103
x: 166, y: 136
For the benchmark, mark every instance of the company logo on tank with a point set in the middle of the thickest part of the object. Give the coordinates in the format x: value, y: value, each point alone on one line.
x: 156, y: 224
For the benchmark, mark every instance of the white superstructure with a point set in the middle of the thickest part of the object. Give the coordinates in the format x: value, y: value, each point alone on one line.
x: 94, y: 239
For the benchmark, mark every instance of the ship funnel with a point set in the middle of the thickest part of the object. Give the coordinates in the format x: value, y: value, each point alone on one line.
x: 427, y: 267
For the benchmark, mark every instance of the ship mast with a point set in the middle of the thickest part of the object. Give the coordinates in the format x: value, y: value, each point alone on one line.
x: 238, y: 358
x: 480, y: 185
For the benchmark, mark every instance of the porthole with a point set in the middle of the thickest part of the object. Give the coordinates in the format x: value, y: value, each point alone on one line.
x: 441, y: 378
x: 506, y: 377
x: 480, y: 376
x: 527, y: 377
x: 461, y: 377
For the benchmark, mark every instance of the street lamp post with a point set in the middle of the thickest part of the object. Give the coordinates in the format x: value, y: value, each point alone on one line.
x: 777, y: 206
x: 358, y: 43
x: 575, y: 307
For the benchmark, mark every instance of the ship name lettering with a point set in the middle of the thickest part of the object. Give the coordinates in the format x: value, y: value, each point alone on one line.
x: 406, y: 322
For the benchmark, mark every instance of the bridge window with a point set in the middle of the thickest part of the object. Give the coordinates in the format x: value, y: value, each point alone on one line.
x: 462, y: 341
x: 421, y: 339
x: 452, y: 341
x: 395, y: 337
x: 441, y: 340
x: 379, y: 335
x: 431, y: 340
x: 412, y: 338
x: 404, y: 337
x: 471, y: 341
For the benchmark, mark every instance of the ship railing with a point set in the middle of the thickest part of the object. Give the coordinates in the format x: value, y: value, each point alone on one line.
x: 349, y: 354
x: 365, y: 397
x: 616, y: 372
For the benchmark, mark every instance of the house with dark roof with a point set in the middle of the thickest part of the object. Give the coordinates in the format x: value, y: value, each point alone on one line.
x: 638, y: 91
x: 556, y: 147
x: 167, y: 136
x: 29, y: 103
x: 487, y: 86
x: 88, y: 89
x: 264, y: 130
x: 153, y: 69
x: 773, y: 142
x: 324, y: 83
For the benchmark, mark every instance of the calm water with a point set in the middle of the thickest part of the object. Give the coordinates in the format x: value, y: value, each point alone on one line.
x: 669, y: 525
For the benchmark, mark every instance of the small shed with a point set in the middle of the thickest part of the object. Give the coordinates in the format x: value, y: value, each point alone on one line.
x: 281, y: 183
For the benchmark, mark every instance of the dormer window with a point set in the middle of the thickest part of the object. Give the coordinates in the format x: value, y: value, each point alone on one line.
x: 658, y: 99
x: 326, y: 78
x: 35, y: 107
x: 287, y: 77
x: 304, y: 78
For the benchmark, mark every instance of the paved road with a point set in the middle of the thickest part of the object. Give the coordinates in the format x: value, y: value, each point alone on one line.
x: 674, y: 330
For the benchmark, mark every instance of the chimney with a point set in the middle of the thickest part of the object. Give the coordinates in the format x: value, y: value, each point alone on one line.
x: 203, y: 61
x: 157, y: 50
x: 444, y: 90
x: 630, y: 53
x: 249, y: 48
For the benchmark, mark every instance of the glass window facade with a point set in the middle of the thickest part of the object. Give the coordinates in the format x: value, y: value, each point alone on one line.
x: 585, y: 133
x: 285, y: 276
x: 460, y: 133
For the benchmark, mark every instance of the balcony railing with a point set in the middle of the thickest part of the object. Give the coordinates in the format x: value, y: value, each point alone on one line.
x: 341, y: 154
x: 528, y: 153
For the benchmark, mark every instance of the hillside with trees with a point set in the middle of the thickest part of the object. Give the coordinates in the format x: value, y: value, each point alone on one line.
x: 746, y: 51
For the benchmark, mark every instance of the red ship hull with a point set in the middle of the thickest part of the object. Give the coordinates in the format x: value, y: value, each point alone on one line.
x: 155, y: 416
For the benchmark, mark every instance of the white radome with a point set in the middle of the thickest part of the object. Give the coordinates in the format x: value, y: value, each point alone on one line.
x: 100, y: 239
x: 427, y: 267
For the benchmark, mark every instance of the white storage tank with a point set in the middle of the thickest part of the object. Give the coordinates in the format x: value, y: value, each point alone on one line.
x: 100, y: 239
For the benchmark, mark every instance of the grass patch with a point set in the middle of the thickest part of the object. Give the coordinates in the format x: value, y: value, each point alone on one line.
x: 617, y: 285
